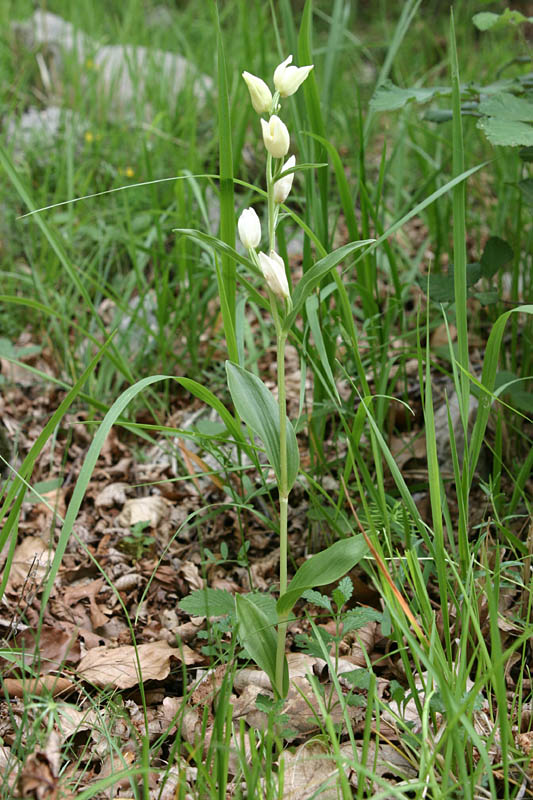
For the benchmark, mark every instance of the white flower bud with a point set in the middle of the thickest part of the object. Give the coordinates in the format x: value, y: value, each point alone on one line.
x: 249, y: 229
x: 276, y: 136
x: 273, y: 270
x: 288, y: 79
x: 284, y: 185
x: 260, y: 94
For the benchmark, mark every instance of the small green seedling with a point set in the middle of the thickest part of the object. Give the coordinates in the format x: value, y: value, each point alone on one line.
x: 138, y: 540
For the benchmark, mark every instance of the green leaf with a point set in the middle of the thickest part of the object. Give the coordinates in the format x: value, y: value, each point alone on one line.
x: 507, y: 106
x: 323, y: 568
x: 259, y: 639
x: 442, y: 287
x: 359, y: 618
x: 526, y: 187
x: 313, y: 276
x: 526, y: 154
x: 208, y: 397
x: 389, y: 97
x: 208, y: 603
x: 486, y: 20
x: 256, y: 405
x: 496, y: 255
x: 507, y: 133
x: 317, y: 599
x: 219, y: 246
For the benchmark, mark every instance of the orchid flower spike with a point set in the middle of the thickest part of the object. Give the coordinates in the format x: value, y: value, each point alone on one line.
x: 260, y: 94
x: 249, y: 229
x: 283, y: 186
x: 276, y: 136
x: 288, y: 79
x: 273, y: 269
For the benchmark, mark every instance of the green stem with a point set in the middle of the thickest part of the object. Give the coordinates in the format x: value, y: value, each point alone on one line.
x: 283, y: 506
x: 271, y: 205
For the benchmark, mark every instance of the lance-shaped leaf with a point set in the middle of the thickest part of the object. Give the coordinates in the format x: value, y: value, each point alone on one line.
x: 259, y: 639
x: 323, y: 568
x: 313, y: 276
x: 256, y: 405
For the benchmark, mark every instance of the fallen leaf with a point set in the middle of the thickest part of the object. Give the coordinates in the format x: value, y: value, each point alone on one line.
x: 439, y: 337
x: 114, y: 494
x: 407, y: 446
x: 119, y: 666
x: 143, y: 509
x: 50, y: 649
x: 310, y: 771
x: 30, y: 562
x: 44, y: 684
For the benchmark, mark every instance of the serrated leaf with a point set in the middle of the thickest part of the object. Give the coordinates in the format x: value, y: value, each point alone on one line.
x: 358, y: 678
x: 497, y: 254
x: 323, y: 568
x: 359, y: 618
x: 259, y: 639
x: 508, y: 107
x: 345, y: 587
x: 389, y: 97
x: 256, y: 405
x: 208, y: 603
x: 317, y: 599
x: 486, y: 20
x: 506, y: 133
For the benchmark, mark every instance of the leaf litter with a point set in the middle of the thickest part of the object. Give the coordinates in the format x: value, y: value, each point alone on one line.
x: 114, y: 624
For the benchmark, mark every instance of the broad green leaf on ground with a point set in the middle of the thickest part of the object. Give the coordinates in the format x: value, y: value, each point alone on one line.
x: 486, y: 20
x: 507, y: 106
x: 323, y: 568
x: 497, y: 254
x: 258, y: 637
x: 256, y: 405
x: 208, y: 603
x: 507, y: 133
x: 389, y: 97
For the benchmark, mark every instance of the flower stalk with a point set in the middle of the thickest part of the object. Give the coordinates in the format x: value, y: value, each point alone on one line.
x: 276, y: 139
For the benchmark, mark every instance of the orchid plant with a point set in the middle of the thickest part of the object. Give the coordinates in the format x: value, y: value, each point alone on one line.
x: 253, y: 401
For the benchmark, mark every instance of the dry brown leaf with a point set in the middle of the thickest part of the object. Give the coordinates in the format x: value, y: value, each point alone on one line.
x: 439, y: 337
x: 191, y: 574
x: 119, y: 667
x: 43, y: 685
x: 114, y: 494
x: 39, y: 777
x: 388, y: 762
x: 30, y: 562
x: 89, y: 591
x: 52, y: 648
x: 407, y: 446
x: 143, y: 509
x: 53, y: 502
x: 309, y: 772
